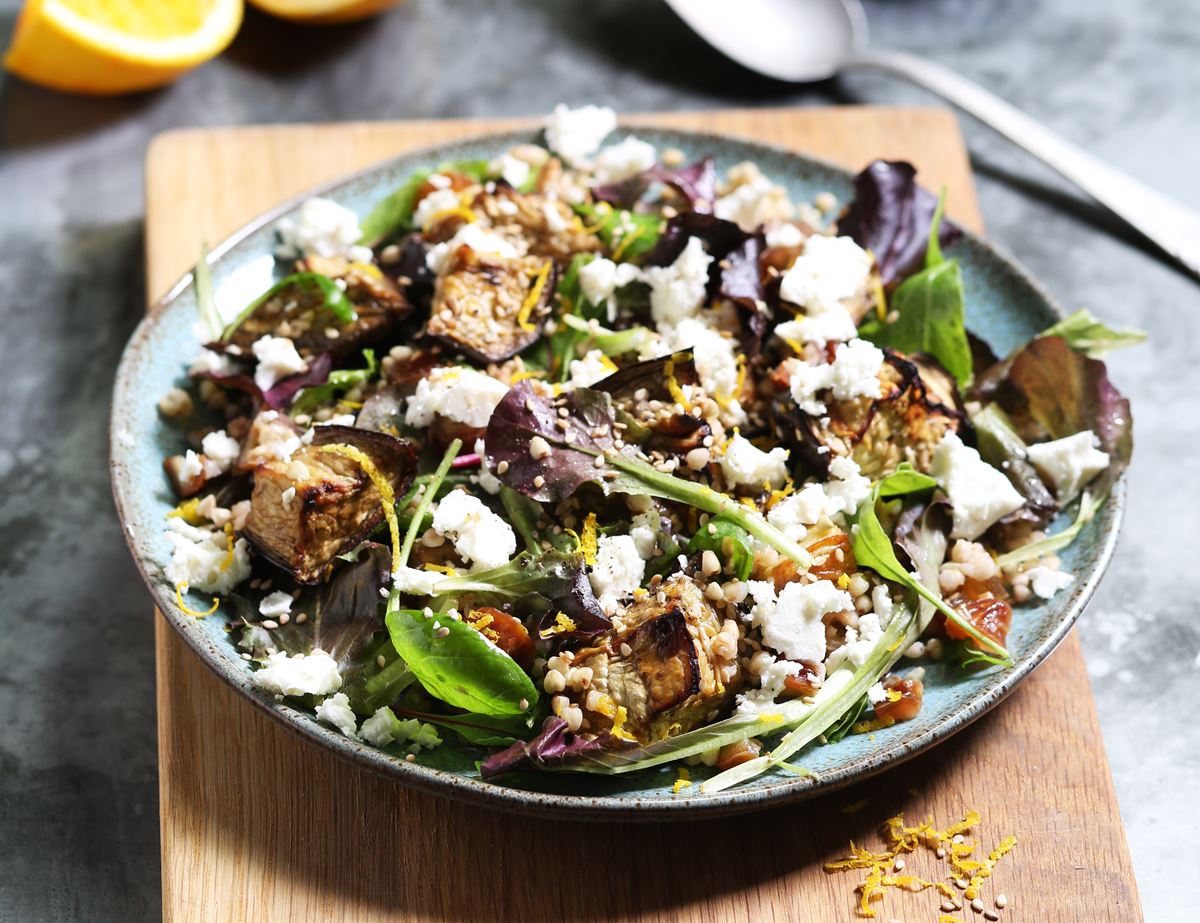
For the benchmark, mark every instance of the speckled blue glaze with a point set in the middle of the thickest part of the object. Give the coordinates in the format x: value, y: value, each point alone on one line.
x: 1004, y: 306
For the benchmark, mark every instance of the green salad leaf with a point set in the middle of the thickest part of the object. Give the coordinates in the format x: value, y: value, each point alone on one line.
x: 1087, y: 334
x: 627, y: 234
x: 334, y: 299
x: 873, y: 548
x: 929, y: 312
x: 457, y: 664
x: 729, y: 542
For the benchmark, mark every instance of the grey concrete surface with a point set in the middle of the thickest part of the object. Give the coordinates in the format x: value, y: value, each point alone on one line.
x: 78, y: 806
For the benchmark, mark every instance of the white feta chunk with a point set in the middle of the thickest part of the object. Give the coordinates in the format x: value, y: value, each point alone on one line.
x: 1046, y: 581
x: 618, y: 570
x: 751, y: 204
x: 275, y: 604
x: 853, y: 373
x: 828, y: 273
x: 336, y: 710
x: 979, y: 494
x: 480, y: 240
x: 416, y: 582
x: 716, y: 359
x: 677, y: 291
x: 457, y: 393
x: 1068, y: 464
x: 513, y: 170
x: 200, y: 558
x: 576, y: 134
x: 745, y: 464
x: 208, y: 362
x: 277, y: 359
x: 479, y: 535
x: 299, y: 674
x: 435, y: 202
x: 795, y: 628
x: 221, y: 449
x: 859, y: 644
x: 644, y: 531
x: 321, y: 227
x: 784, y: 234
x: 624, y: 159
x: 600, y: 278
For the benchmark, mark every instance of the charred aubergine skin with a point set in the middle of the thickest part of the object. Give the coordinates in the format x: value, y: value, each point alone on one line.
x: 335, y: 505
x: 918, y: 405
x: 661, y: 665
x: 297, y: 312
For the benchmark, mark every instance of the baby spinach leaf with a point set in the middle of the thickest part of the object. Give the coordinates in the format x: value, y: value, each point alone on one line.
x: 457, y: 664
x: 928, y: 310
x: 626, y: 234
x: 729, y: 542
x: 1086, y: 333
x: 394, y: 213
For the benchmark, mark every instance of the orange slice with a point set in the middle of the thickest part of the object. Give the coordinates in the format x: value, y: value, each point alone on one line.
x: 321, y: 12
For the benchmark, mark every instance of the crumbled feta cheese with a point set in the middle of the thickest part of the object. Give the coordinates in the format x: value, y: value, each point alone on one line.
x: 439, y: 200
x: 853, y: 373
x: 644, y: 531
x: 275, y: 604
x: 338, y: 419
x: 876, y: 694
x: 829, y: 272
x: 300, y: 674
x: 745, y: 464
x: 762, y: 592
x: 383, y: 728
x: 1046, y: 581
x: 600, y: 278
x: 478, y: 534
x: 336, y: 710
x: 191, y: 467
x: 200, y: 558
x: 677, y: 291
x: 208, y: 362
x: 1069, y: 463
x: 979, y: 494
x: 513, y: 170
x: 321, y: 227
x: 784, y: 234
x: 482, y: 241
x: 716, y: 360
x: 576, y: 134
x: 859, y: 644
x: 457, y: 393
x: 753, y: 203
x: 221, y: 449
x: 794, y: 627
x: 277, y: 358
x: 618, y: 570
x: 772, y: 682
x: 593, y: 367
x: 882, y: 605
x: 624, y: 159
x: 847, y: 486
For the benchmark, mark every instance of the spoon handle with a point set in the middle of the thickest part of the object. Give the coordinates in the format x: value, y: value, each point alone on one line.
x: 1160, y: 219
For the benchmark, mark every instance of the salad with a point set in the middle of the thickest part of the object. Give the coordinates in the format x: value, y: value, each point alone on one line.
x: 597, y: 459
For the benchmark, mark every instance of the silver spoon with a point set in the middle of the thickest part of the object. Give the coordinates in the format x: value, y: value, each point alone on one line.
x: 807, y: 40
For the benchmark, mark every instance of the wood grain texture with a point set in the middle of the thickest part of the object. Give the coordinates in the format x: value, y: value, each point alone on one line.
x: 259, y: 824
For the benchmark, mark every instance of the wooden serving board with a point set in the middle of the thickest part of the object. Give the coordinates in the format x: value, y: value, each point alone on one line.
x: 260, y: 824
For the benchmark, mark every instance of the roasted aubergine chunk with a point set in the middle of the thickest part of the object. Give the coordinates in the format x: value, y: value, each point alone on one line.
x: 671, y: 666
x: 490, y: 307
x: 298, y: 311
x: 546, y: 223
x: 317, y: 504
x: 918, y: 405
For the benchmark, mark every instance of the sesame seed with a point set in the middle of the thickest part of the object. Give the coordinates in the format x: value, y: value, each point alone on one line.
x: 539, y: 481
x: 941, y: 853
x: 958, y: 837
x: 270, y: 623
x: 949, y: 906
x: 991, y: 915
x: 960, y: 884
x: 1001, y: 900
x: 284, y: 618
x: 502, y: 467
x: 523, y: 704
x: 899, y: 864
x: 381, y: 661
x: 977, y: 905
x: 410, y: 758
x: 246, y: 657
x: 442, y: 632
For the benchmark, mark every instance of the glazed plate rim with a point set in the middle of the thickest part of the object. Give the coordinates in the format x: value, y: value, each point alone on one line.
x: 233, y: 670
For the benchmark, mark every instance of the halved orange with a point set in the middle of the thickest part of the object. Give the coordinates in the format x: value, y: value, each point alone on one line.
x: 105, y: 47
x: 321, y: 12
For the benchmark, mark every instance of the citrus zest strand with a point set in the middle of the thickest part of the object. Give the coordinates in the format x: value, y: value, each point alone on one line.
x: 387, y: 496
x: 194, y: 613
x: 534, y: 296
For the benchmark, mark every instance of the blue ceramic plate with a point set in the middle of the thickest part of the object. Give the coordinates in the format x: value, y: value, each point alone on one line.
x: 1004, y: 306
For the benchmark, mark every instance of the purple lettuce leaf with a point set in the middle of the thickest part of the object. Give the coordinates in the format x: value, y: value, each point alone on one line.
x: 891, y: 216
x: 1048, y: 390
x: 553, y: 747
x: 349, y: 609
x: 280, y: 395
x: 524, y: 414
x: 696, y: 182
